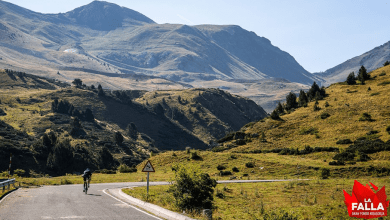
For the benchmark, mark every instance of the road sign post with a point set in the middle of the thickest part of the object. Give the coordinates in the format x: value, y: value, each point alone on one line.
x: 148, y: 168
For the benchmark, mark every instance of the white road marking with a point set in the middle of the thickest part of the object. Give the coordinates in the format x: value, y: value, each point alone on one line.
x: 131, y: 205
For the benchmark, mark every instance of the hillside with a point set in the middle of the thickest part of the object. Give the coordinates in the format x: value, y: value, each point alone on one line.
x: 304, y: 141
x: 38, y: 116
x: 101, y: 42
x: 371, y: 60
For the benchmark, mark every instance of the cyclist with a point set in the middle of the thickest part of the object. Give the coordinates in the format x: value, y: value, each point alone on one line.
x: 87, y: 178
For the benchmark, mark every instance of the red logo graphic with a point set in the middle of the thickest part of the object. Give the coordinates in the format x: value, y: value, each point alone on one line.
x: 365, y: 203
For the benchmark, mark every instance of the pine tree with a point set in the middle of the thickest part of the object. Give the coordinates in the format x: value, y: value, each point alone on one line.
x: 275, y: 115
x: 100, y: 90
x: 363, y: 76
x: 386, y: 63
x: 77, y: 82
x: 132, y: 130
x: 88, y: 115
x: 316, y: 107
x: 312, y: 91
x: 351, y: 79
x: 303, y: 100
x: 279, y: 109
x: 291, y: 101
x: 118, y: 138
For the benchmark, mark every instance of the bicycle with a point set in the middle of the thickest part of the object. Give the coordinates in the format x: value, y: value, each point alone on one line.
x: 86, y: 184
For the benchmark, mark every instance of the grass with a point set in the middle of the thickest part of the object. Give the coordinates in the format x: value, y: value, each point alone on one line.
x: 2, y: 193
x: 315, y: 199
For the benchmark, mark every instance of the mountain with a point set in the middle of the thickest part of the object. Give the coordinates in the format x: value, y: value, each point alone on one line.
x: 371, y: 60
x: 105, y: 16
x: 33, y: 107
x: 101, y: 42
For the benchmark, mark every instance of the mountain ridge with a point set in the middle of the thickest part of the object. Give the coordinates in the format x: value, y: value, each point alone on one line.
x: 200, y: 55
x: 371, y: 60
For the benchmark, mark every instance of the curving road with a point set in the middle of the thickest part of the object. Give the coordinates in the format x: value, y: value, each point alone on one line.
x: 69, y: 202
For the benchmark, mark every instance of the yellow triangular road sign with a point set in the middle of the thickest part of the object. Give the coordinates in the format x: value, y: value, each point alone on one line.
x: 148, y: 167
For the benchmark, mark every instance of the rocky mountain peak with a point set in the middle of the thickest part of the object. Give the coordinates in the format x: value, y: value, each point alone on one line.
x: 105, y: 16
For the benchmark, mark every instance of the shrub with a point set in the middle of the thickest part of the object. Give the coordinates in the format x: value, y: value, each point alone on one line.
x: 383, y: 73
x: 344, y: 141
x: 192, y: 191
x: 105, y: 171
x: 316, y: 107
x: 250, y: 165
x: 337, y: 163
x: 362, y: 157
x: 19, y: 172
x: 372, y: 132
x: 386, y: 63
x: 326, y: 104
x: 375, y: 93
x: 235, y: 169
x: 324, y: 115
x: 218, y: 149
x: 225, y: 173
x: 233, y: 156
x: 388, y: 129
x: 123, y: 168
x: 195, y: 156
x: 384, y: 83
x: 345, y: 156
x: 220, y: 195
x: 325, y: 173
x: 221, y: 167
x: 366, y: 117
x: 310, y: 130
x: 240, y: 142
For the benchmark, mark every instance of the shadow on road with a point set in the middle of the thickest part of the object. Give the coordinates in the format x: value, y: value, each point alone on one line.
x: 93, y: 195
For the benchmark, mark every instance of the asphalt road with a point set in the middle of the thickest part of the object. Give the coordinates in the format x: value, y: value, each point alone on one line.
x: 69, y: 202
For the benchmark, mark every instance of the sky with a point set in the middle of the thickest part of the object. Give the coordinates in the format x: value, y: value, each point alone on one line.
x: 319, y: 34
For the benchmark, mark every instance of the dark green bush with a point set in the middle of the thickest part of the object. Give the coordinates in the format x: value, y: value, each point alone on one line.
x: 250, y: 165
x: 221, y: 167
x: 218, y: 149
x: 240, y: 142
x: 344, y: 141
x: 195, y: 156
x: 19, y: 172
x: 372, y: 132
x: 345, y: 156
x: 310, y: 130
x: 123, y: 168
x: 324, y: 115
x: 365, y: 117
x: 105, y: 171
x: 192, y: 191
x: 325, y: 173
x: 388, y: 129
x: 225, y: 173
x: 235, y: 169
x: 337, y: 163
x: 228, y: 137
x: 220, y: 195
